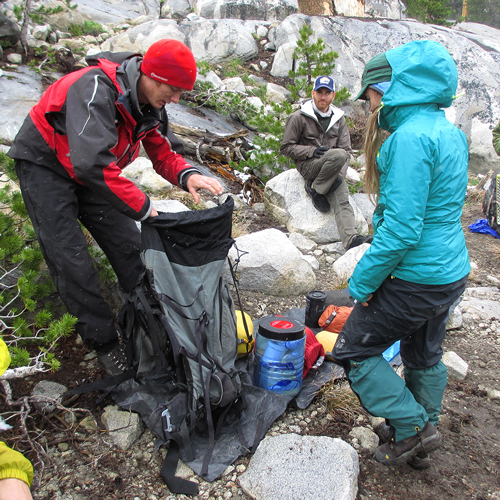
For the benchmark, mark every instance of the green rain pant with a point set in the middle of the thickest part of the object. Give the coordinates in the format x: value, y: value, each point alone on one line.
x: 384, y: 394
x: 427, y: 387
x: 416, y: 314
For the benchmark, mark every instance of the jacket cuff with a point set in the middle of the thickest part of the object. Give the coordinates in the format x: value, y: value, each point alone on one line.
x: 15, y: 474
x: 148, y: 212
x: 185, y: 175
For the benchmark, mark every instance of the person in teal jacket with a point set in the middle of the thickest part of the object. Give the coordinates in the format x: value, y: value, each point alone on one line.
x: 417, y: 265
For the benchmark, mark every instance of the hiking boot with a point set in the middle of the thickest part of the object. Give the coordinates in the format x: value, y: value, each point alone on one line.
x: 397, y: 453
x: 320, y: 201
x: 113, y: 362
x: 359, y: 240
x: 420, y: 461
x: 385, y: 432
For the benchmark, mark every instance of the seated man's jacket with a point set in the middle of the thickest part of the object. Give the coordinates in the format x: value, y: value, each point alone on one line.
x: 89, y: 125
x: 303, y: 134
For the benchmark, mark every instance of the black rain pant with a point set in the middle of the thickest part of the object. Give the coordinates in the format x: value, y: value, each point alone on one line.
x: 56, y: 204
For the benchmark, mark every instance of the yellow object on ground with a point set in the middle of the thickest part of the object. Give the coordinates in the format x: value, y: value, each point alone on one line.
x: 12, y: 463
x: 245, y: 344
x: 4, y: 357
x: 327, y: 339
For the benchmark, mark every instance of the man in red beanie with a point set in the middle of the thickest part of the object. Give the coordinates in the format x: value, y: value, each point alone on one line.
x: 69, y: 155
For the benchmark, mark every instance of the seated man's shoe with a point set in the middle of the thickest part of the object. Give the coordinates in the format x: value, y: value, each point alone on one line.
x: 113, y: 362
x: 359, y: 240
x: 399, y: 452
x: 319, y: 200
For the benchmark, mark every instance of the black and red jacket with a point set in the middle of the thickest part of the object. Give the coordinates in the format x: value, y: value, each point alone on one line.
x: 89, y: 125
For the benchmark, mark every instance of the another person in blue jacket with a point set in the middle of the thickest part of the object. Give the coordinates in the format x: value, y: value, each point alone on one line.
x: 418, y: 264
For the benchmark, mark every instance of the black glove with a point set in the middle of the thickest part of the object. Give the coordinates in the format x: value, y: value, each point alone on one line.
x: 320, y: 151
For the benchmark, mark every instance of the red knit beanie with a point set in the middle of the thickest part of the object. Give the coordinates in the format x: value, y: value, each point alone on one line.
x: 170, y: 62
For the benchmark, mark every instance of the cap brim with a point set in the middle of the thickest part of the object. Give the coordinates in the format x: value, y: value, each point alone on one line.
x: 361, y: 94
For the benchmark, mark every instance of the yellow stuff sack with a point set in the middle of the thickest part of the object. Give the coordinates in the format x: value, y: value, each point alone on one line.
x: 327, y: 339
x: 245, y: 342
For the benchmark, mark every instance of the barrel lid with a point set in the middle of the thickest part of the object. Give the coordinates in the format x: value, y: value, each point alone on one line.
x: 281, y: 328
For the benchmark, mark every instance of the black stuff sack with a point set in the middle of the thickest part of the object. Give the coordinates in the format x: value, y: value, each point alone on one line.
x: 179, y: 328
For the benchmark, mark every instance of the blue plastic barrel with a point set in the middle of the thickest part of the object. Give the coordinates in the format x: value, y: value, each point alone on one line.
x: 279, y: 355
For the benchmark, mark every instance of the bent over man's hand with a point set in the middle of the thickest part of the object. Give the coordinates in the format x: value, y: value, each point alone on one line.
x: 198, y: 181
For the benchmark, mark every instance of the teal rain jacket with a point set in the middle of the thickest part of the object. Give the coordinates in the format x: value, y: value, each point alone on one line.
x: 423, y: 177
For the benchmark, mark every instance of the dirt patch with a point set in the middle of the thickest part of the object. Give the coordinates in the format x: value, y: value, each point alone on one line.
x: 466, y: 467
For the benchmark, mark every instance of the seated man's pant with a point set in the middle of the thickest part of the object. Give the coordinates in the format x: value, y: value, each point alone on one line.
x: 324, y: 171
x: 56, y: 205
x: 417, y: 315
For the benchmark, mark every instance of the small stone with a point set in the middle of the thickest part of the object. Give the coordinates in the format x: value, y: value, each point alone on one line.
x: 63, y: 447
x: 15, y: 58
x: 90, y: 356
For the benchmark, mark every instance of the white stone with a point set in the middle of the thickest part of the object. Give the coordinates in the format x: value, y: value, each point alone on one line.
x: 124, y: 427
x: 212, y: 78
x: 234, y: 84
x: 353, y: 175
x: 272, y: 265
x: 312, y: 261
x: 255, y: 101
x: 293, y: 467
x: 15, y: 58
x: 142, y: 174
x: 304, y: 244
x: 277, y: 93
x: 456, y: 319
x: 344, y: 266
x: 368, y: 440
x: 41, y: 32
x: 457, y: 367
x: 283, y: 60
x: 285, y: 199
x: 262, y: 31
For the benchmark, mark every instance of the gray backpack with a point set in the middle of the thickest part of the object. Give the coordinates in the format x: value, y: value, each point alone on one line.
x: 179, y: 325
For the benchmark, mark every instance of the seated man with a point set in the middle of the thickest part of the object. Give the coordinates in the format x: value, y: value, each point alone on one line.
x: 317, y: 139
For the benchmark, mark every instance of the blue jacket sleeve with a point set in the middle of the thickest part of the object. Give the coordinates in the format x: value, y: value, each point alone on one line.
x: 406, y: 169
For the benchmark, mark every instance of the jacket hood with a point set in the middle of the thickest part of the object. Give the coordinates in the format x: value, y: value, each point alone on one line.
x: 307, y: 109
x: 116, y: 57
x: 423, y: 72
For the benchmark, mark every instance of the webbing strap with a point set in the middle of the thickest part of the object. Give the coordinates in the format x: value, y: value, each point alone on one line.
x: 169, y: 301
x: 106, y: 384
x: 160, y: 360
x: 176, y: 484
x: 235, y: 281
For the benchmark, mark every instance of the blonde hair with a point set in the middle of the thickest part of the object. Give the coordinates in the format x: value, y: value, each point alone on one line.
x: 373, y: 141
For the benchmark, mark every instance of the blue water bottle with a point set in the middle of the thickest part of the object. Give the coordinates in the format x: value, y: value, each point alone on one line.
x: 279, y: 355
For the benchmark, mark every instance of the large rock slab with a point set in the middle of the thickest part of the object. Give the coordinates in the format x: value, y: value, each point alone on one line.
x: 475, y: 49
x: 215, y: 41
x: 292, y: 467
x: 481, y: 303
x: 111, y: 11
x: 272, y: 265
x: 268, y: 10
x: 286, y: 199
x: 141, y: 37
x: 19, y: 91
